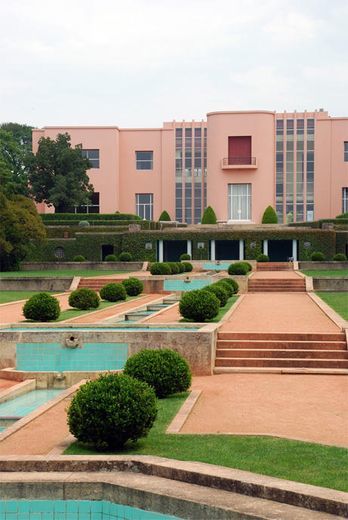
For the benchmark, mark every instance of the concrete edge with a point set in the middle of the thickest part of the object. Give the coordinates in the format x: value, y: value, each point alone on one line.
x: 18, y: 425
x: 158, y: 313
x: 139, y: 308
x: 210, y: 476
x: 75, y: 283
x: 17, y: 390
x: 330, y: 313
x: 182, y: 415
x: 229, y: 313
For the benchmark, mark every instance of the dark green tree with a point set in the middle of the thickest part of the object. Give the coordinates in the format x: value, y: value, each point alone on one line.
x: 13, y: 170
x: 209, y: 216
x: 22, y: 134
x: 20, y: 224
x: 269, y: 216
x: 57, y: 174
x: 164, y: 216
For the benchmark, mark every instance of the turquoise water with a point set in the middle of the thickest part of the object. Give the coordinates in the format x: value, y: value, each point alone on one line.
x: 48, y: 357
x: 74, y: 510
x: 181, y: 285
x: 211, y: 266
x: 27, y: 403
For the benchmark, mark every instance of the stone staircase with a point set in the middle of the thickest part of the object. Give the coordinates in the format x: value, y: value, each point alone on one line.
x: 281, y: 350
x: 96, y: 283
x: 274, y: 266
x: 276, y: 285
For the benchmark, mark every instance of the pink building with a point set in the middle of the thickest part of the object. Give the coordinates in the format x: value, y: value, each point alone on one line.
x: 236, y: 162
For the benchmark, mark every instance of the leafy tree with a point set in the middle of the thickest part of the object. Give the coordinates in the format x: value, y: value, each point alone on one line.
x: 22, y: 134
x: 269, y: 216
x: 13, y: 171
x: 19, y: 225
x: 57, y: 174
x: 164, y: 216
x: 209, y: 216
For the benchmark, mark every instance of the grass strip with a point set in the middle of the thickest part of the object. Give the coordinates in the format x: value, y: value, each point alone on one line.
x: 320, y: 273
x: 338, y: 301
x: 58, y: 273
x: 13, y: 296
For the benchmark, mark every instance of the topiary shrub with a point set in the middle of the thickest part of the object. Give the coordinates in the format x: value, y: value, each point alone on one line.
x: 164, y: 216
x: 113, y: 292
x: 125, y: 257
x: 219, y: 292
x: 160, y: 268
x: 238, y: 268
x: 133, y: 286
x: 114, y: 409
x: 110, y: 258
x: 340, y: 257
x: 41, y: 307
x: 262, y: 258
x: 84, y: 223
x: 188, y: 267
x: 84, y: 299
x: 249, y: 266
x: 185, y: 256
x: 269, y: 216
x: 180, y: 267
x: 317, y: 256
x: 227, y: 287
x: 209, y: 216
x: 79, y: 258
x: 232, y: 283
x: 199, y: 305
x: 165, y: 370
x: 173, y: 267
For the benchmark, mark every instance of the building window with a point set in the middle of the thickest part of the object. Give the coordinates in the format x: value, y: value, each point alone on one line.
x: 92, y: 156
x: 345, y: 151
x: 239, y: 201
x: 345, y: 200
x: 59, y: 253
x: 93, y: 207
x: 144, y: 160
x: 144, y: 205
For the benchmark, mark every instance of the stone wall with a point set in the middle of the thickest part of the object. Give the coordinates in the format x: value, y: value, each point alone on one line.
x: 329, y: 283
x: 35, y: 284
x: 107, y: 266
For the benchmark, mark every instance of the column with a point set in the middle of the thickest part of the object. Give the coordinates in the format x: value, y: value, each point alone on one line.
x: 212, y: 250
x: 241, y: 250
x: 189, y: 248
x: 294, y: 250
x: 265, y: 247
x: 160, y: 250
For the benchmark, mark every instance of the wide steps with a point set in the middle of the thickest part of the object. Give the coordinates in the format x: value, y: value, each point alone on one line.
x: 278, y: 344
x: 282, y: 362
x: 96, y: 284
x: 274, y: 266
x: 287, y: 336
x: 282, y: 353
x: 276, y: 285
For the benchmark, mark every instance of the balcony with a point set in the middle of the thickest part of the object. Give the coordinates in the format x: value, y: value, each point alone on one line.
x: 239, y: 163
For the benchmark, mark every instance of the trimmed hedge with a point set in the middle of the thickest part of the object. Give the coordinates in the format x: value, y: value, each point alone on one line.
x: 84, y: 299
x: 89, y: 216
x: 41, y: 307
x: 79, y: 258
x: 188, y: 267
x: 160, y: 268
x: 317, y: 256
x: 233, y: 284
x: 340, y: 257
x: 113, y: 292
x: 219, y: 292
x: 166, y: 371
x: 227, y: 287
x: 238, y: 268
x: 209, y: 216
x: 263, y: 258
x: 114, y: 409
x: 110, y: 258
x: 269, y: 216
x: 125, y: 257
x: 199, y: 305
x: 185, y: 256
x: 133, y: 286
x: 164, y: 217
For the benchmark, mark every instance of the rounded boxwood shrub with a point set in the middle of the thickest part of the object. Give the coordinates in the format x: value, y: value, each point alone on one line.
x: 133, y: 286
x: 79, y: 258
x: 188, y: 267
x: 84, y: 299
x: 41, y: 307
x: 84, y: 223
x: 185, y: 256
x: 180, y: 267
x: 113, y: 292
x: 125, y: 257
x: 113, y: 409
x: 269, y: 216
x: 219, y: 292
x: 232, y: 283
x: 173, y: 266
x: 199, y: 305
x: 262, y: 258
x: 340, y: 257
x: 160, y: 268
x: 226, y: 286
x: 165, y: 370
x: 238, y: 268
x: 110, y: 258
x: 317, y: 256
x: 249, y: 266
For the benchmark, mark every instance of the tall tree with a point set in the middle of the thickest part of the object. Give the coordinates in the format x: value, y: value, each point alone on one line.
x: 13, y: 170
x: 22, y: 134
x: 57, y: 174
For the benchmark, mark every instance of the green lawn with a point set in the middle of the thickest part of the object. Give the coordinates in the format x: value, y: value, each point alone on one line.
x: 337, y: 300
x: 55, y: 273
x: 74, y: 313
x: 12, y: 296
x: 318, y: 273
x: 315, y: 464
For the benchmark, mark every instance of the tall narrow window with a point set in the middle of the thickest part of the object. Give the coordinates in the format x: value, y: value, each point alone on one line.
x: 239, y: 201
x: 144, y: 205
x: 92, y: 156
x: 144, y: 160
x: 92, y: 207
x: 345, y: 151
x: 345, y: 200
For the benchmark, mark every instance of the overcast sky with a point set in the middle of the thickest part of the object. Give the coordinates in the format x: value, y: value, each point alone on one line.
x: 135, y: 63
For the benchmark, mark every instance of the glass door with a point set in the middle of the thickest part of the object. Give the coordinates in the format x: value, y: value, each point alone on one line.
x: 239, y: 201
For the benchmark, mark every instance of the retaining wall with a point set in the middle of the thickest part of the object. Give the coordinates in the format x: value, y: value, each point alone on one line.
x: 318, y: 266
x: 103, y: 266
x: 329, y: 283
x: 35, y: 284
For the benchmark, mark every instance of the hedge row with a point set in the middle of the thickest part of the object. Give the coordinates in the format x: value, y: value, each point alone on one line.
x: 89, y: 216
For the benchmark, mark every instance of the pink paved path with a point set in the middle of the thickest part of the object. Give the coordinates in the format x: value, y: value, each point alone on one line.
x: 12, y: 312
x: 284, y: 275
x: 306, y: 407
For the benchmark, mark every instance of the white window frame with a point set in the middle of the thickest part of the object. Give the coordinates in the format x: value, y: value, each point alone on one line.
x: 345, y: 200
x: 140, y: 207
x: 95, y: 162
x: 230, y: 200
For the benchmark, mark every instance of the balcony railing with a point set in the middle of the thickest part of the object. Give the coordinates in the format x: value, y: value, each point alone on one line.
x: 236, y: 161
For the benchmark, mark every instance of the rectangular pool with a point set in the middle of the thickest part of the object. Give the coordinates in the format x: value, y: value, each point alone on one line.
x: 24, y: 404
x: 211, y: 266
x: 181, y: 285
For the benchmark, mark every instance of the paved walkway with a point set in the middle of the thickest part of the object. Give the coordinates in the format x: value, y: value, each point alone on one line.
x: 6, y: 383
x: 284, y: 275
x: 12, y: 312
x: 305, y: 407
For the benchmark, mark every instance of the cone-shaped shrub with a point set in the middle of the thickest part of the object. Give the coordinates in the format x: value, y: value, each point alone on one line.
x: 269, y: 216
x: 209, y: 216
x: 164, y: 216
x: 165, y: 370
